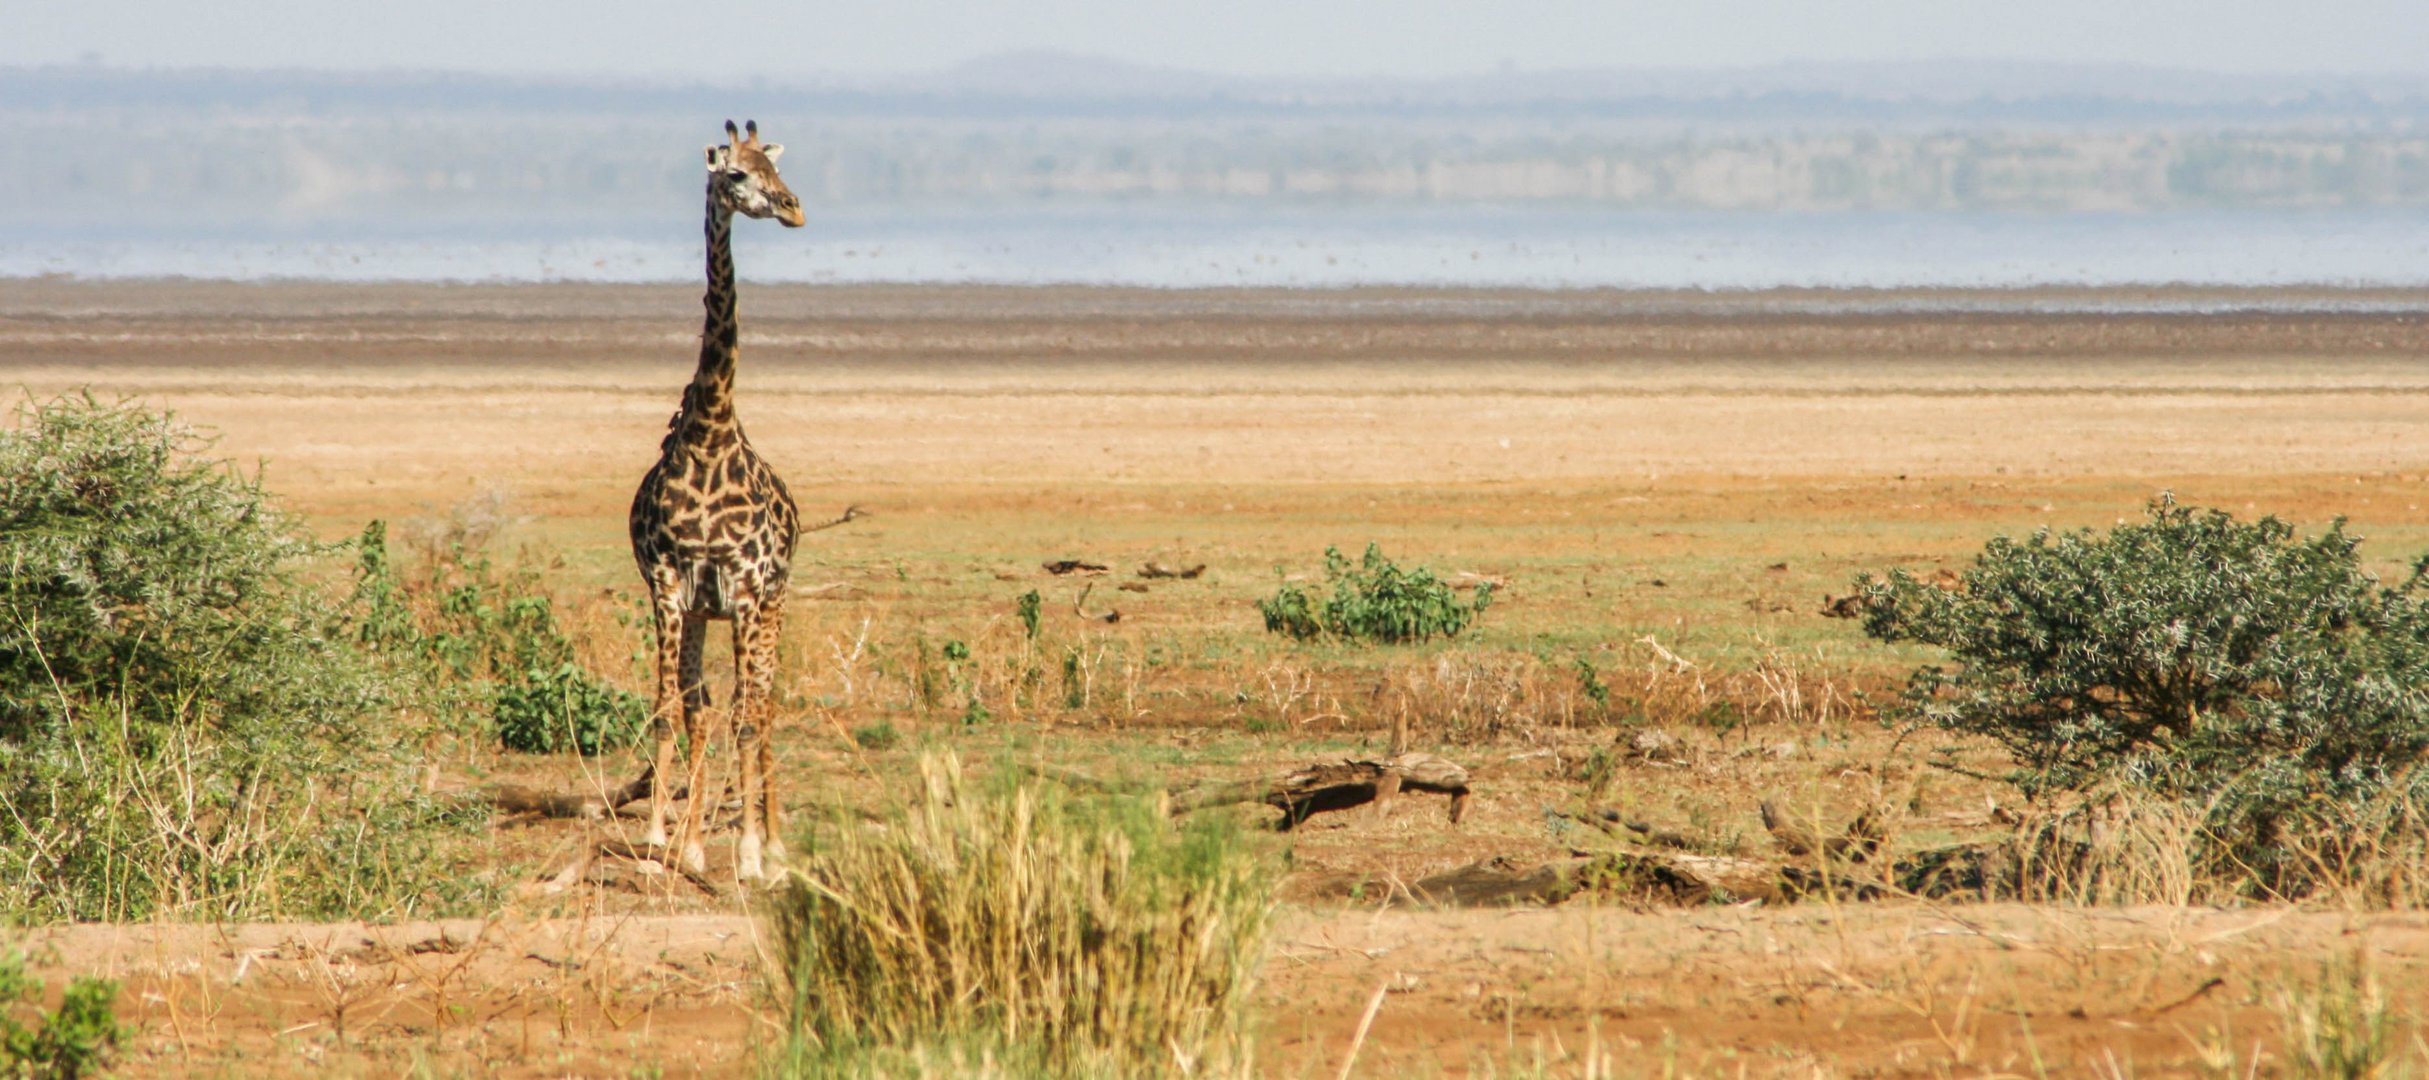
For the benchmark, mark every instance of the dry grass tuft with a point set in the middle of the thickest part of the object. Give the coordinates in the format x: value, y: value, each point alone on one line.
x: 2126, y: 847
x: 1003, y: 923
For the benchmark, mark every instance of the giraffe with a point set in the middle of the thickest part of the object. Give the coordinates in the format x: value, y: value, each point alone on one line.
x: 713, y: 531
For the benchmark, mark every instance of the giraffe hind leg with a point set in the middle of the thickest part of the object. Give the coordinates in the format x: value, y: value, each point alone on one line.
x: 756, y: 629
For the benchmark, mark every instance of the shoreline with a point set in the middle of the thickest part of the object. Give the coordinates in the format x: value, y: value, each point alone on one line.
x: 48, y: 295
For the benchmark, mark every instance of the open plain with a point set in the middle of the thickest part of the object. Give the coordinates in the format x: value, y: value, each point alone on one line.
x: 1665, y: 486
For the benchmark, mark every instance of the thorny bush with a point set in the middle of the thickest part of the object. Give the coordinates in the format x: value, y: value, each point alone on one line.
x: 190, y: 721
x: 2262, y: 677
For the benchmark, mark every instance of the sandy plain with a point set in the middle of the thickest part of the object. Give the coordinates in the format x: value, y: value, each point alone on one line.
x: 1697, y: 466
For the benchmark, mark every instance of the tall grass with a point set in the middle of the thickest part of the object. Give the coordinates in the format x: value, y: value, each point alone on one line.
x: 1009, y: 928
x: 2127, y: 847
x: 2343, y: 1025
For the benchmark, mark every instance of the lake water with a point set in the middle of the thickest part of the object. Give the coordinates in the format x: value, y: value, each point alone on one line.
x: 1161, y: 246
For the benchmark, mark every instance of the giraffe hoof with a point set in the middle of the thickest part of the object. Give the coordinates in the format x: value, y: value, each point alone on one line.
x: 695, y: 858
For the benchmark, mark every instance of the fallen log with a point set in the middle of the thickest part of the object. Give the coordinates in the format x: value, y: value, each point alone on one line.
x: 1159, y: 570
x: 1303, y: 792
x: 1060, y: 567
x: 1340, y: 785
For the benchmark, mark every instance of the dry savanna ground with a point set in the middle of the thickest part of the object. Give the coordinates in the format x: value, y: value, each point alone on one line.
x: 1666, y: 486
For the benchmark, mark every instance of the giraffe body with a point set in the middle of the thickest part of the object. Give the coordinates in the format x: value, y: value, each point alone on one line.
x: 713, y: 531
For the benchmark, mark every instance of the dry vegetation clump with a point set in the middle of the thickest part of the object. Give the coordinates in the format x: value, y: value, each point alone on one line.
x: 192, y: 722
x: 1471, y: 697
x: 1012, y: 925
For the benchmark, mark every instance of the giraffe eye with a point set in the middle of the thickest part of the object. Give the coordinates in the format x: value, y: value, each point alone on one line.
x: 736, y: 175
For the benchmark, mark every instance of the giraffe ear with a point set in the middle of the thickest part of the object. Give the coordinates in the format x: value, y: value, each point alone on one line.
x: 773, y: 150
x: 717, y: 158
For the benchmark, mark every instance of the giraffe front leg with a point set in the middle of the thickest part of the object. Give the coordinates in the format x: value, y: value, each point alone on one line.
x: 666, y: 607
x: 755, y: 633
x: 697, y: 801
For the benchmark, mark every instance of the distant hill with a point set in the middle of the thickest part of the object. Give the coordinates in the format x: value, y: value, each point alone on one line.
x: 87, y: 147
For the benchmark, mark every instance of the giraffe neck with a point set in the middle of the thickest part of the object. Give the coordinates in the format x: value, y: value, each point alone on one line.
x: 708, y: 403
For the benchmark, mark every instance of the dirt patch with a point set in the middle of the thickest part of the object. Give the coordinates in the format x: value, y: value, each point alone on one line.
x: 1896, y: 990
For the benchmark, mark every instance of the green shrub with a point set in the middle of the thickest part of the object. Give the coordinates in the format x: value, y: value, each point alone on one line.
x: 1374, y: 600
x: 2263, y: 677
x: 544, y: 711
x: 1017, y: 926
x: 496, y: 633
x: 73, y: 1040
x: 190, y: 721
x: 1030, y: 608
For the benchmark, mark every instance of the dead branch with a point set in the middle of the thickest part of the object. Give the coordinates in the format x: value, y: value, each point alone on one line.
x: 618, y: 849
x: 1340, y: 785
x: 1060, y: 567
x: 1662, y: 837
x: 516, y: 799
x: 1079, y: 607
x: 850, y: 513
x: 1069, y: 777
x: 1159, y: 570
x: 1863, y: 836
x: 1611, y: 824
x: 1306, y: 791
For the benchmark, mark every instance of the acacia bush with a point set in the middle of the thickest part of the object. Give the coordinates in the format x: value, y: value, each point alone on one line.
x: 190, y: 719
x: 1373, y: 600
x: 2265, y: 678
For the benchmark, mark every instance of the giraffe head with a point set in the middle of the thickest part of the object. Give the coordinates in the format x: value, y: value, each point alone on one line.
x: 743, y: 176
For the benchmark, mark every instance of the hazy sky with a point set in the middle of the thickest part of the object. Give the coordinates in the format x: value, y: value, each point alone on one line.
x: 789, y: 39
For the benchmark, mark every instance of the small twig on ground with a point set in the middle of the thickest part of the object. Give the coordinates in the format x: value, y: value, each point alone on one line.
x: 1365, y: 1022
